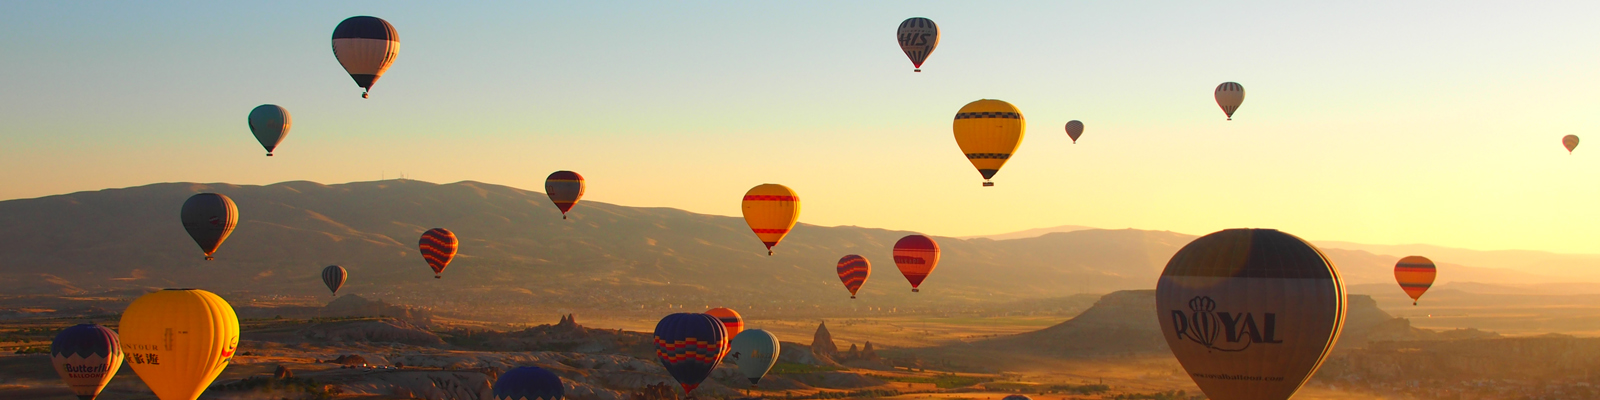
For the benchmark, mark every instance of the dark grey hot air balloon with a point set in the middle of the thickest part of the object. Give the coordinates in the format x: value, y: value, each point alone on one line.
x: 1074, y: 130
x: 918, y: 37
x: 366, y: 47
x: 1229, y: 96
x: 209, y: 218
x: 334, y: 277
x: 1250, y: 313
x: 270, y: 123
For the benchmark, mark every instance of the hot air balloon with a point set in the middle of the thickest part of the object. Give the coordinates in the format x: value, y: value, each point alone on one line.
x: 853, y: 271
x: 529, y: 383
x: 334, y: 277
x: 755, y: 351
x: 918, y: 36
x: 365, y: 46
x: 438, y: 247
x: 1415, y: 275
x: 1016, y: 397
x: 1229, y: 96
x: 1571, y: 141
x: 564, y: 189
x: 270, y: 123
x: 988, y: 132
x: 209, y: 218
x: 771, y: 210
x: 86, y: 356
x: 690, y: 345
x: 1074, y: 130
x: 1250, y: 313
x: 731, y: 321
x: 179, y: 340
x: 916, y: 255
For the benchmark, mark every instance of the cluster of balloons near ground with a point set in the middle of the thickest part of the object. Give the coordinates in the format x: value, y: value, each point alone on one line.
x: 179, y: 340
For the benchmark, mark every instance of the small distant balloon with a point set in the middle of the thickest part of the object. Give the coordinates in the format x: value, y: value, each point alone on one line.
x: 438, y: 246
x: 1229, y: 96
x: 270, y: 123
x: 916, y: 256
x: 209, y: 218
x: 1415, y: 275
x: 366, y: 47
x: 528, y: 383
x: 86, y: 356
x: 918, y: 36
x: 334, y: 277
x: 564, y: 189
x: 853, y: 271
x: 1074, y: 130
x: 1571, y: 141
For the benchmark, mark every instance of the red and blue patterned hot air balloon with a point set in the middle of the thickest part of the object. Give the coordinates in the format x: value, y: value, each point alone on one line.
x: 438, y: 247
x: 86, y: 356
x: 528, y: 383
x: 853, y: 271
x: 564, y: 189
x: 690, y: 345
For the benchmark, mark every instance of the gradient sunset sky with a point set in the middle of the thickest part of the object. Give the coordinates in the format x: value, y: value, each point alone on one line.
x: 1375, y: 122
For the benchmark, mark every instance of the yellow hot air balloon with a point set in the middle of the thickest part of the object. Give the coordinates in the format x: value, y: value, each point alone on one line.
x: 771, y: 210
x: 179, y: 340
x: 988, y: 132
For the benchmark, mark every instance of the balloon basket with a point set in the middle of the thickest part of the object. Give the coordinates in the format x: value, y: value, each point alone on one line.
x: 435, y: 277
x: 917, y: 70
x: 914, y: 290
x: 852, y: 297
x: 988, y: 184
x: 208, y: 258
x: 269, y: 154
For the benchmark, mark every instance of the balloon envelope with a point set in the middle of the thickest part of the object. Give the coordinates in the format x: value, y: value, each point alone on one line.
x: 438, y: 247
x: 1229, y: 96
x: 366, y: 47
x: 1016, y: 397
x: 86, y: 356
x: 755, y: 351
x: 853, y: 271
x: 1415, y: 275
x: 528, y: 383
x: 690, y: 345
x: 334, y: 277
x: 918, y: 36
x: 1570, y: 141
x: 1074, y: 130
x: 270, y: 123
x: 209, y: 218
x: 771, y: 211
x: 732, y: 323
x: 564, y: 189
x: 916, y: 256
x: 179, y: 340
x: 1250, y: 313
x: 989, y: 131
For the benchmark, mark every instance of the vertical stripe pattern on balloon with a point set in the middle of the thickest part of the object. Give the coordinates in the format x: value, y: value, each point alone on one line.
x: 438, y: 247
x: 1229, y: 96
x: 334, y: 277
x: 209, y: 218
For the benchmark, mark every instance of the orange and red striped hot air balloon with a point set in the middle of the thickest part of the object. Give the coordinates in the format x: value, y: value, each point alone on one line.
x: 438, y: 246
x: 1415, y: 275
x: 916, y: 255
x: 853, y: 271
x: 564, y: 189
x: 771, y: 210
x: 731, y: 321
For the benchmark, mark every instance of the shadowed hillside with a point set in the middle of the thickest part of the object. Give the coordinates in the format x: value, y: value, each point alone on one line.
x: 516, y: 249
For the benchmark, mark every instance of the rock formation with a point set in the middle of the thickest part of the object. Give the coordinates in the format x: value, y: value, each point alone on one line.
x: 822, y: 343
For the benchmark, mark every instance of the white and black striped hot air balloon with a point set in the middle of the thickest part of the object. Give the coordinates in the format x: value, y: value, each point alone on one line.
x: 1229, y: 96
x: 1250, y: 313
x: 365, y: 46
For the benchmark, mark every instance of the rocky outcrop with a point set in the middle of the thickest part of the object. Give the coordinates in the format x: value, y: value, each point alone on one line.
x: 371, y: 331
x: 356, y: 306
x: 822, y: 343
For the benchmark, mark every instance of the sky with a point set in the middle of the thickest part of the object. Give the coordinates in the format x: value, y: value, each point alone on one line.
x: 1376, y: 122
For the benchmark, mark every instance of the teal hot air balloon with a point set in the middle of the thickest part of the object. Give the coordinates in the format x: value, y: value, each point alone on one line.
x: 754, y: 351
x: 270, y: 123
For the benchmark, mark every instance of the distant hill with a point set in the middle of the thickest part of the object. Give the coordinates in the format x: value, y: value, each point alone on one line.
x: 1031, y: 233
x: 516, y: 251
x: 1581, y: 266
